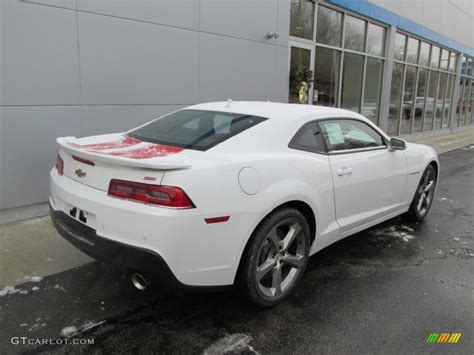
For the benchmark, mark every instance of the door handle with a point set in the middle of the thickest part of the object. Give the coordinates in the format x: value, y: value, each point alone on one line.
x: 344, y: 171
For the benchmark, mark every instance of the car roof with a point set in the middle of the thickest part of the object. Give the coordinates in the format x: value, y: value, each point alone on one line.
x: 274, y: 110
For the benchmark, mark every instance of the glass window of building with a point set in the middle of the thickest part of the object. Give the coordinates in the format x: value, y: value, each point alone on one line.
x: 412, y: 50
x: 354, y: 34
x: 425, y: 54
x: 352, y: 81
x: 408, y: 99
x: 463, y: 65
x: 469, y: 66
x: 453, y: 58
x: 447, y: 101
x: 434, y: 57
x: 329, y: 27
x: 400, y: 44
x: 465, y: 101
x: 300, y: 60
x: 439, y: 106
x: 395, y: 96
x: 376, y: 39
x: 444, y: 59
x: 464, y: 106
x: 326, y: 73
x: 430, y: 108
x: 431, y: 100
x: 373, y: 88
x: 302, y: 19
x: 420, y: 100
x: 470, y: 118
x: 341, y: 77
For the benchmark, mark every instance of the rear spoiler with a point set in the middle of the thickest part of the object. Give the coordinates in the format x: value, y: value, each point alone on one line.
x: 157, y: 163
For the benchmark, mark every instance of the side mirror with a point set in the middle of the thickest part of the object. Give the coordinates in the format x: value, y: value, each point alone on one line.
x: 397, y: 144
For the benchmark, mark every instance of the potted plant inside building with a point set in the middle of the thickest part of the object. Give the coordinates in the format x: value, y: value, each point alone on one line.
x: 301, y: 80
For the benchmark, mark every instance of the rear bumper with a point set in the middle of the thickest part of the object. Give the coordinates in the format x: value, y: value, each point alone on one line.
x: 198, y: 254
x: 138, y: 259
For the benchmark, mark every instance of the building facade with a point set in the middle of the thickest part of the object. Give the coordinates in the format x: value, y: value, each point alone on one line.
x: 83, y: 67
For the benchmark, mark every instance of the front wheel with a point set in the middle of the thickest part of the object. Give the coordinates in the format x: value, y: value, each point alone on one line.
x: 276, y: 257
x: 424, y: 195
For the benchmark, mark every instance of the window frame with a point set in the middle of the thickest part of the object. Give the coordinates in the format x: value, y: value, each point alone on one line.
x: 326, y: 151
x: 385, y: 139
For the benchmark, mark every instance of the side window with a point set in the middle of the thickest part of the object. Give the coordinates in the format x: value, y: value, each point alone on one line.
x: 308, y: 138
x: 345, y: 134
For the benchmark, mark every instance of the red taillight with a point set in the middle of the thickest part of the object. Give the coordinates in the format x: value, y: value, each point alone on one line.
x: 160, y: 195
x: 60, y: 165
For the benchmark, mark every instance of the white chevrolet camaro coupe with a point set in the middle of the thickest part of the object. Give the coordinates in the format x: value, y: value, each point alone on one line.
x: 234, y: 193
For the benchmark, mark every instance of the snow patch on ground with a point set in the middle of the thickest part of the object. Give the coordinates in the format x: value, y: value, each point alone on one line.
x: 401, y: 232
x: 9, y: 290
x: 69, y: 331
x: 36, y: 279
x: 445, y: 199
x: 72, y: 330
x: 35, y: 288
x: 231, y: 344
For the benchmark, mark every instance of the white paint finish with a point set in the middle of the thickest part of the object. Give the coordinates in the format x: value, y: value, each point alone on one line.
x: 373, y: 187
x: 28, y: 158
x: 129, y: 62
x: 105, y: 119
x: 181, y: 13
x: 249, y: 180
x: 247, y: 19
x: 67, y: 4
x: 378, y: 182
x: 39, y: 55
x: 235, y: 68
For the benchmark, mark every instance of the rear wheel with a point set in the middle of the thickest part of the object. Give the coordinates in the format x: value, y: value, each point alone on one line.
x: 276, y: 257
x: 424, y: 195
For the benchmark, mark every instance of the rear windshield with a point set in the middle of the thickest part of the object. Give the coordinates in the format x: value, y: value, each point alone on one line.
x: 195, y: 129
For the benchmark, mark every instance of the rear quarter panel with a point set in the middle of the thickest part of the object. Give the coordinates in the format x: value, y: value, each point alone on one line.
x: 292, y: 175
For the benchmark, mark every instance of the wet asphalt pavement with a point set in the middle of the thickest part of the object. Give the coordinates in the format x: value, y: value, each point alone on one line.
x: 380, y: 291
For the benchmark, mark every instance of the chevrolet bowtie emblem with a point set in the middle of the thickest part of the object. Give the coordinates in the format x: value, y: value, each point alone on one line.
x: 80, y: 173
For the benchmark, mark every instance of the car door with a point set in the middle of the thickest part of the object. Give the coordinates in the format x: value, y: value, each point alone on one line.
x: 369, y: 179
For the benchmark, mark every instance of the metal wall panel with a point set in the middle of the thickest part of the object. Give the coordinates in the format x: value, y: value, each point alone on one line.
x: 130, y: 62
x: 247, y: 19
x: 236, y: 69
x: 182, y: 13
x: 39, y: 55
x: 29, y: 149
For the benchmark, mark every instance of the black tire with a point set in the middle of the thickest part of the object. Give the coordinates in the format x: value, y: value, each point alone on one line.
x: 264, y: 249
x: 415, y: 213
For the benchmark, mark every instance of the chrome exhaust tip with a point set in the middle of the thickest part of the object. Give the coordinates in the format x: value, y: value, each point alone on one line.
x: 140, y: 281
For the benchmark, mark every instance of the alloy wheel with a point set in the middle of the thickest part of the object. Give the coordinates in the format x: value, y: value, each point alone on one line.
x: 426, y: 192
x: 281, y: 258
